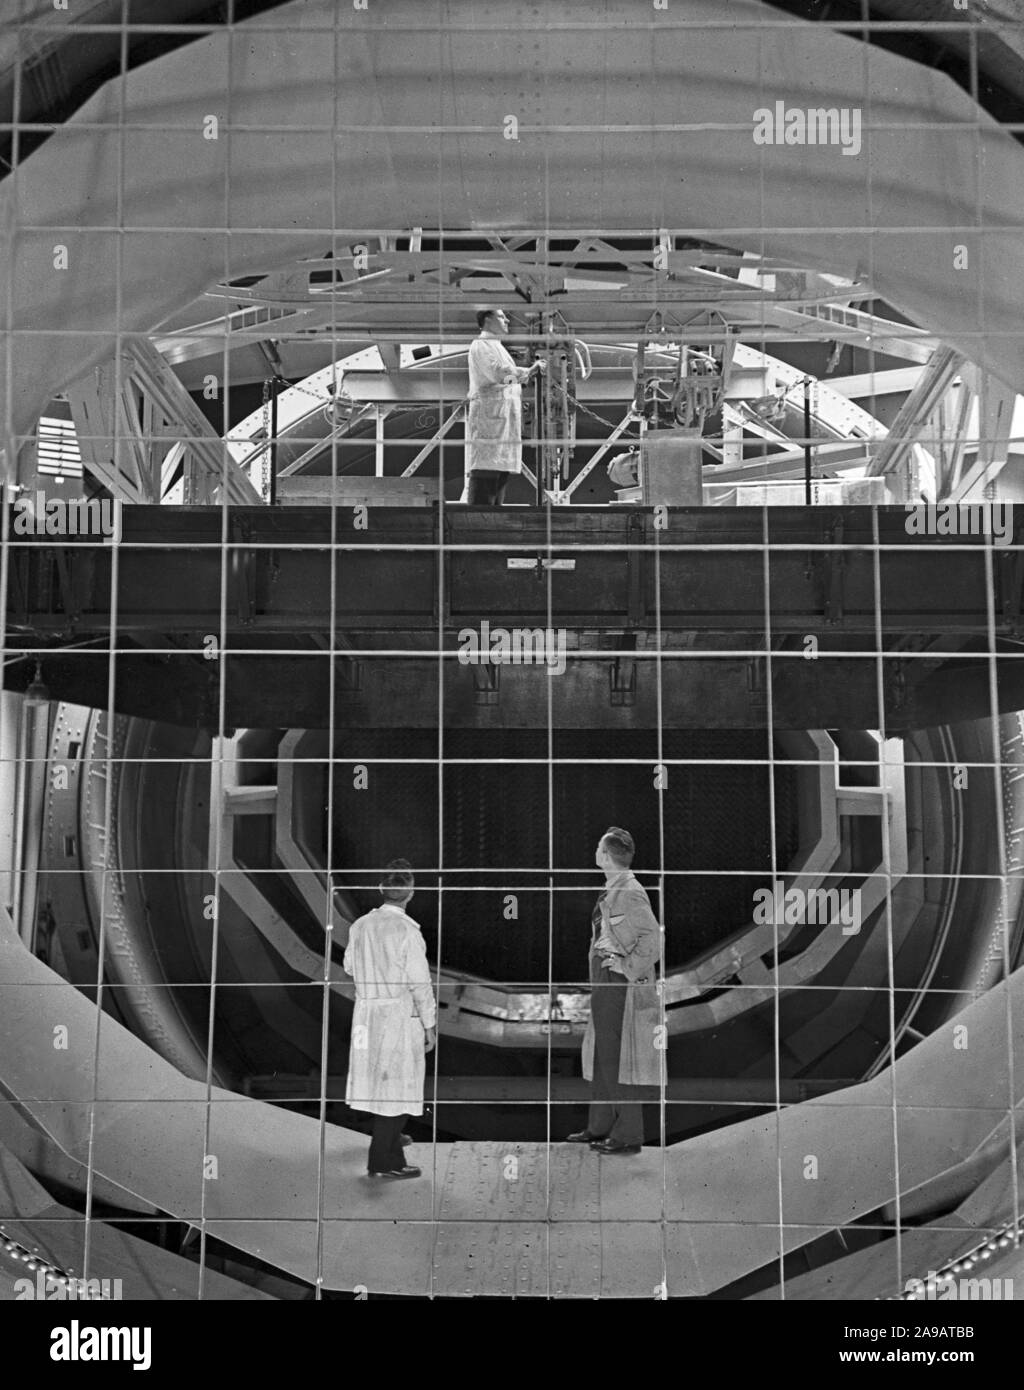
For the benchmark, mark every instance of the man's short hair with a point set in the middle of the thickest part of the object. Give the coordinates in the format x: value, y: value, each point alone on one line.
x: 619, y: 844
x: 483, y: 315
x: 397, y: 882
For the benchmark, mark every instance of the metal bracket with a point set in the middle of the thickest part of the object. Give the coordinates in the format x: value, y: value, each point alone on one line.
x: 348, y: 674
x: 635, y: 559
x: 662, y: 321
x: 242, y: 567
x: 1011, y: 581
x: 66, y: 573
x: 834, y: 577
x: 622, y: 681
x: 17, y: 603
x: 486, y: 684
x: 757, y: 691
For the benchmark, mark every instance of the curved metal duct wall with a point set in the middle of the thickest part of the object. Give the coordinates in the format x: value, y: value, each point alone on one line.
x: 636, y: 182
x: 945, y: 908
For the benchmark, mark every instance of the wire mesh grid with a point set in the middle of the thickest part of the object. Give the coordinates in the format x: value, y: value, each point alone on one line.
x: 175, y: 831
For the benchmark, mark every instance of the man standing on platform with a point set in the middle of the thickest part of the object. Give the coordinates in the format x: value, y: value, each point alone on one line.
x: 393, y: 1024
x: 621, y: 1047
x: 494, y: 422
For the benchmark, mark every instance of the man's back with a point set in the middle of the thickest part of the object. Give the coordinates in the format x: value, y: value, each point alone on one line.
x: 387, y: 957
x: 375, y: 955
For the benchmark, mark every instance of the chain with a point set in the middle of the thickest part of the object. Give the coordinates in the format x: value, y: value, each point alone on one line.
x: 580, y: 406
x: 266, y: 455
x: 315, y: 395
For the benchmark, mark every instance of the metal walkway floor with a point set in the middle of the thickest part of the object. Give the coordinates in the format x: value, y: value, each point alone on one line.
x: 495, y: 1217
x: 531, y: 1220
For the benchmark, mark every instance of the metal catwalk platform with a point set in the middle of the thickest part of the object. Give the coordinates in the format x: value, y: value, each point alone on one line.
x: 407, y: 569
x: 498, y: 1218
x: 686, y: 613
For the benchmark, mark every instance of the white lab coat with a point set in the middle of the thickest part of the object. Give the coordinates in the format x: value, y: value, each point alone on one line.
x: 494, y: 422
x: 387, y: 958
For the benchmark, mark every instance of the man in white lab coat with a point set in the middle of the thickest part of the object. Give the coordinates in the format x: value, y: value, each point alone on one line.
x: 494, y: 422
x: 394, y: 1023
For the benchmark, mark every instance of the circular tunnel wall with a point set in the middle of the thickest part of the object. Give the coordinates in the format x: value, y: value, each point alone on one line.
x: 267, y: 1018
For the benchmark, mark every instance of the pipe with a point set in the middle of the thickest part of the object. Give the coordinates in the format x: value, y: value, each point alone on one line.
x: 37, y: 733
x: 807, y: 440
x: 586, y: 365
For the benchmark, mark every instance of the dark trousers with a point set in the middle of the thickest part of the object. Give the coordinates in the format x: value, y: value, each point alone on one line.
x: 386, y: 1151
x: 616, y: 1111
x: 487, y: 487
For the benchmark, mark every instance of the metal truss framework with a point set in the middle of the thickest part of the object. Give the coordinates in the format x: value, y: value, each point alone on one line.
x: 140, y: 433
x: 669, y: 294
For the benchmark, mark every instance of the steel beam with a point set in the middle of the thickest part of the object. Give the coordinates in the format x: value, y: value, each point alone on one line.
x: 895, y: 381
x: 628, y: 419
x: 433, y: 442
x: 242, y: 888
x: 952, y: 419
x: 789, y: 463
x: 699, y: 583
x: 710, y: 571
x: 996, y: 404
x: 108, y: 446
x: 216, y: 468
x: 721, y: 691
x: 916, y: 411
x: 124, y: 448
x: 75, y: 319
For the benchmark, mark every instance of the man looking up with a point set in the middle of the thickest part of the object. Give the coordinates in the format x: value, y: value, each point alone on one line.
x: 393, y: 1024
x: 619, y: 1050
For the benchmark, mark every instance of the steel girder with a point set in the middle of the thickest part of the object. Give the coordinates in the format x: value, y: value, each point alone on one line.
x: 605, y: 569
x: 648, y: 599
x: 769, y: 199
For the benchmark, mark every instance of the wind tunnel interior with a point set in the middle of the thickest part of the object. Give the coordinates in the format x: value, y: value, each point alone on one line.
x: 186, y: 870
x: 497, y: 801
x: 509, y: 945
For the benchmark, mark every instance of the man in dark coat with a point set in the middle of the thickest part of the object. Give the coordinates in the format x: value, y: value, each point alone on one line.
x: 620, y: 1051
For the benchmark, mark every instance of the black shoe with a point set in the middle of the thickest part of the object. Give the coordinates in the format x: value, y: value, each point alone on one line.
x: 395, y: 1173
x: 584, y: 1136
x: 614, y: 1146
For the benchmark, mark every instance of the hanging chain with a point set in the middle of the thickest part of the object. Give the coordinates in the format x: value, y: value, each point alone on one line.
x: 267, y: 454
x: 579, y: 404
x: 316, y: 395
